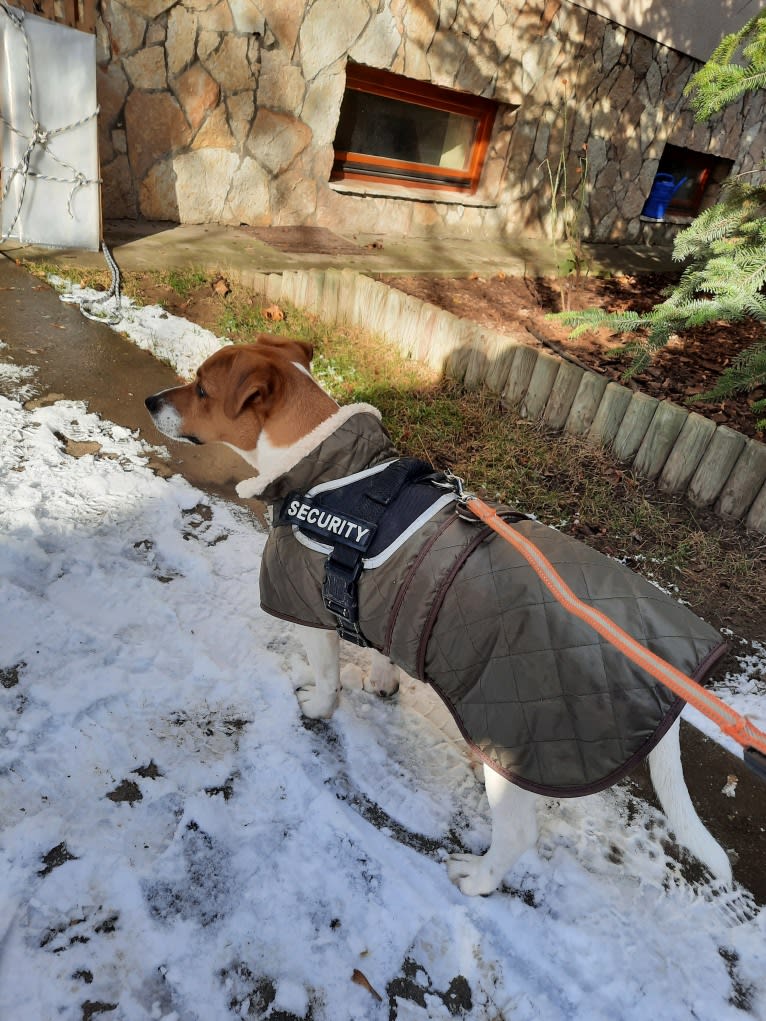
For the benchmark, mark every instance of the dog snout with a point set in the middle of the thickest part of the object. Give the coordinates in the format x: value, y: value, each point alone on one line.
x: 153, y: 403
x: 166, y: 417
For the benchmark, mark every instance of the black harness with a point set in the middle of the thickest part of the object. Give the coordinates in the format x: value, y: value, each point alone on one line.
x: 358, y: 519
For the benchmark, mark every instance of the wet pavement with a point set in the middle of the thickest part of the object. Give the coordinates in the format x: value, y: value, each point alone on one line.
x: 83, y: 360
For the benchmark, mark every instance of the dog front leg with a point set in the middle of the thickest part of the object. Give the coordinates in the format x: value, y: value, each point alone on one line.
x: 318, y: 698
x: 514, y: 831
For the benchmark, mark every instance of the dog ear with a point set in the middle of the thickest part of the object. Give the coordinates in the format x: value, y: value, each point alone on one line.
x: 257, y: 381
x: 301, y: 351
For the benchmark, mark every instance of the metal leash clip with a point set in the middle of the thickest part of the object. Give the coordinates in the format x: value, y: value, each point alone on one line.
x: 457, y: 485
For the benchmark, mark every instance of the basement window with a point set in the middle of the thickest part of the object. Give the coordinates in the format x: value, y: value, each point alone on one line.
x: 397, y: 130
x: 686, y: 183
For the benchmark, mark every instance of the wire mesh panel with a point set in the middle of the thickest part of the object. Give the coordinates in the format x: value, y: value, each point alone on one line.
x: 75, y: 13
x: 48, y: 139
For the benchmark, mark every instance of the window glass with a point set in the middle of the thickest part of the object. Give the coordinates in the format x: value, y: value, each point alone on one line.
x: 398, y: 129
x: 380, y: 126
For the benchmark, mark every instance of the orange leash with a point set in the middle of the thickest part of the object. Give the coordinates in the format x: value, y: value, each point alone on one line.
x: 730, y: 722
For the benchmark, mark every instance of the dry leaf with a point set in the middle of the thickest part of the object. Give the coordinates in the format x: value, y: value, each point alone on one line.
x: 274, y: 313
x: 363, y: 981
x: 730, y: 787
x: 78, y: 448
x: 221, y: 287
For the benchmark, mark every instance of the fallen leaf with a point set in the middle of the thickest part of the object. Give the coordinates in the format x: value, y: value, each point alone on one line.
x: 730, y: 787
x: 221, y: 287
x: 274, y: 313
x: 363, y: 981
x: 43, y: 402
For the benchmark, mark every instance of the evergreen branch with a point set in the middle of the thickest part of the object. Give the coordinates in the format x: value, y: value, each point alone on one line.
x: 720, y: 81
x: 724, y: 248
x: 747, y: 371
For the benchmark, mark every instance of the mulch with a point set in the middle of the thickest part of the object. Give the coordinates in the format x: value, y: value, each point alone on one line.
x: 686, y: 368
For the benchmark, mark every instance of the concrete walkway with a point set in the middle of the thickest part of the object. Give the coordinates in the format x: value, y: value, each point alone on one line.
x: 215, y: 248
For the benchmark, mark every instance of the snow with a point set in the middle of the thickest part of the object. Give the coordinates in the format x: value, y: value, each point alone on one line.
x: 177, y: 844
x: 180, y: 343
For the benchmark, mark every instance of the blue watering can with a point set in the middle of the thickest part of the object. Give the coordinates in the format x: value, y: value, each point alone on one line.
x: 663, y: 190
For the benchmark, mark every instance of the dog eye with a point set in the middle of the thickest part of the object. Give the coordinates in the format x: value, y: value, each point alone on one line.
x: 201, y: 392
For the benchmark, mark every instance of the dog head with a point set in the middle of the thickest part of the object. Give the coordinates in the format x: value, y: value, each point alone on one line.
x: 246, y: 396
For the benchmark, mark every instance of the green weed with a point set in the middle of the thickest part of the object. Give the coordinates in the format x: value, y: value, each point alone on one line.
x: 184, y: 282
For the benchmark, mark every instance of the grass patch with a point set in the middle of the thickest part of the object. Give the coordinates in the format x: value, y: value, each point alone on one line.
x: 183, y: 282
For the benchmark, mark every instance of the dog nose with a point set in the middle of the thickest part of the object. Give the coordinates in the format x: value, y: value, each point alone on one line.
x: 153, y: 403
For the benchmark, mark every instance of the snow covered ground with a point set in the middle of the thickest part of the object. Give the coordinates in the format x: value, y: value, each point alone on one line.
x: 177, y: 843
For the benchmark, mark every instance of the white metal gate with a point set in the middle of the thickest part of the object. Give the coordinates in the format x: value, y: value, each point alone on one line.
x: 49, y: 176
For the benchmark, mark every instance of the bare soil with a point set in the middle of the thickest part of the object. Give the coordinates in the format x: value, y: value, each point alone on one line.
x: 685, y: 368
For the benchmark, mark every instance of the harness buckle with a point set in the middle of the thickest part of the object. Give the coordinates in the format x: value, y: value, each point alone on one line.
x: 339, y: 592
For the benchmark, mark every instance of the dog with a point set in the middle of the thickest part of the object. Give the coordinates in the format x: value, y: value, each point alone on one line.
x: 570, y: 706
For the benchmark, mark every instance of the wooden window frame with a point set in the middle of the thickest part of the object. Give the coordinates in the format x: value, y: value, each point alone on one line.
x: 355, y: 166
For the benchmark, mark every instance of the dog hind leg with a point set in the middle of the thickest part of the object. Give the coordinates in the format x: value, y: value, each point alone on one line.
x: 384, y: 675
x: 380, y: 678
x: 318, y: 698
x: 669, y: 784
x: 514, y: 831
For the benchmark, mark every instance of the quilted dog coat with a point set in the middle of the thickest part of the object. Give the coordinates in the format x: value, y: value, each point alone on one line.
x: 536, y: 693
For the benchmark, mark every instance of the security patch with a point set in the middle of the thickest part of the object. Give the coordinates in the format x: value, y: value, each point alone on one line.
x: 333, y: 526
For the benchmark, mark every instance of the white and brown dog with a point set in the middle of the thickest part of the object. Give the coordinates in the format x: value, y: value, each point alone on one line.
x: 262, y: 401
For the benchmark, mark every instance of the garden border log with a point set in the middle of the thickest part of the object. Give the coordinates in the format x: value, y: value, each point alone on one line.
x: 712, y: 466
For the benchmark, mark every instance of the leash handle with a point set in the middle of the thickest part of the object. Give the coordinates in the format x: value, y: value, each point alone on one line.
x: 730, y: 722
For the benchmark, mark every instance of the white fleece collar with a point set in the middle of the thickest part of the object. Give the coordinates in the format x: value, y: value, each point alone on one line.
x: 249, y: 488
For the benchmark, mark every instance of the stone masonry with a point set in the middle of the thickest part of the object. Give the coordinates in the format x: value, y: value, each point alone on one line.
x: 225, y: 111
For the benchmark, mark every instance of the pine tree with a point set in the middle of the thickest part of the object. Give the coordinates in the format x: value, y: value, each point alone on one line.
x: 725, y: 246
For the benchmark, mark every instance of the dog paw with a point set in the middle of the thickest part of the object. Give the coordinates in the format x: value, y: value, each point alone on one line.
x: 351, y: 677
x: 472, y: 874
x: 316, y: 704
x: 384, y: 677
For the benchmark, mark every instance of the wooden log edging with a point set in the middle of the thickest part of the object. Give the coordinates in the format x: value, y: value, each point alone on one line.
x: 687, y: 454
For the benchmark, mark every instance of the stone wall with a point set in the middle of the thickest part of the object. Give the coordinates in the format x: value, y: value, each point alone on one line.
x: 225, y: 110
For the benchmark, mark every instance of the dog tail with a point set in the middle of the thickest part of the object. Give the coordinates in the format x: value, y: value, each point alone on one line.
x: 670, y: 787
